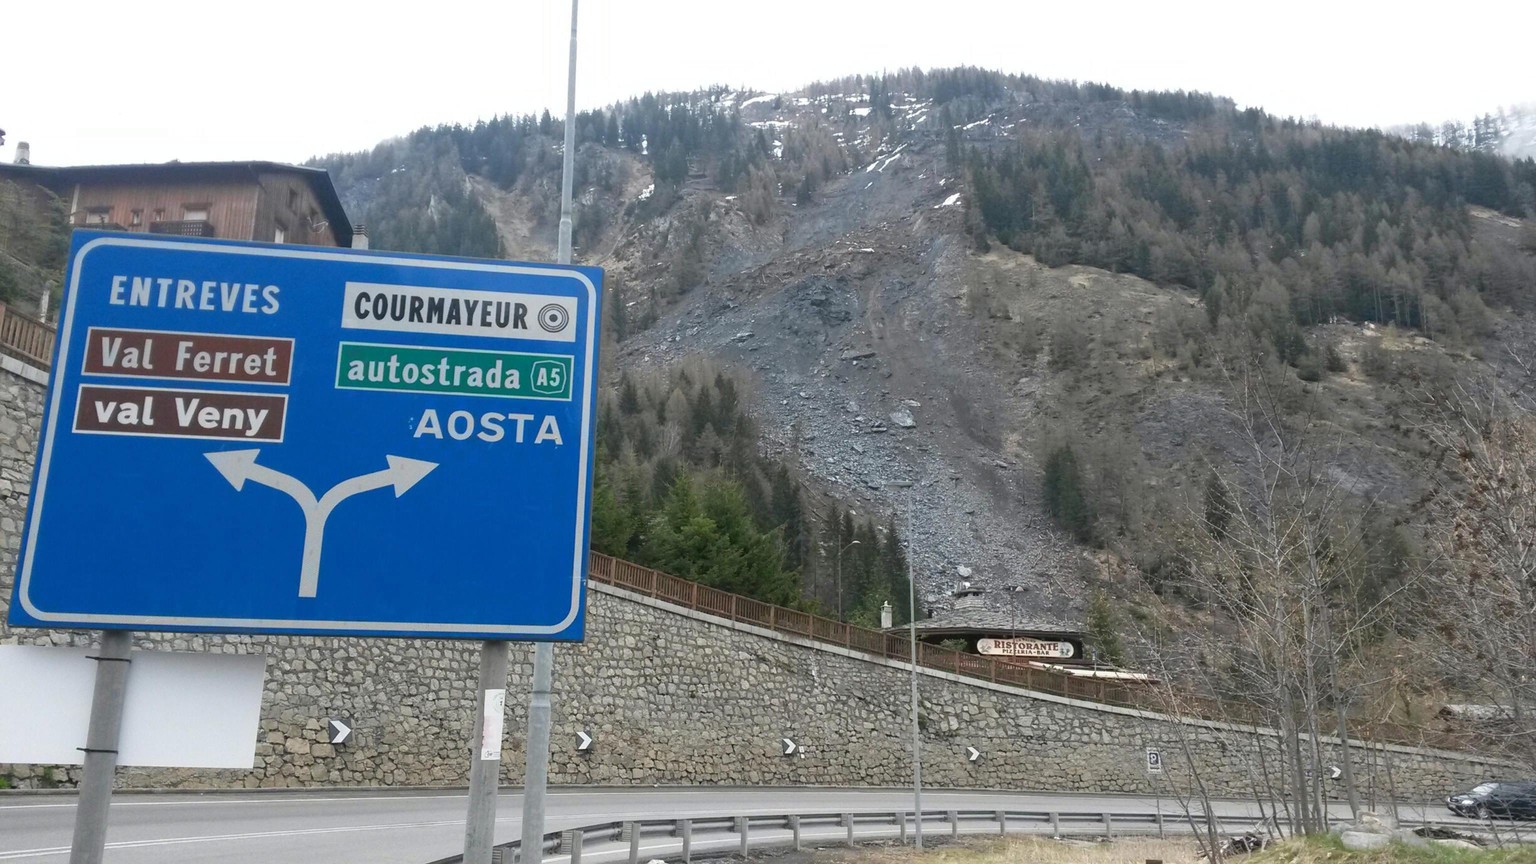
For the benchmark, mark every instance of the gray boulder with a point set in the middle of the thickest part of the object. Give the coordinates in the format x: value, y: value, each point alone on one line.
x: 1359, y: 841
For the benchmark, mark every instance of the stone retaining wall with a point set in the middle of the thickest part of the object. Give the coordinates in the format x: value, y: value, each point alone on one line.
x: 676, y: 697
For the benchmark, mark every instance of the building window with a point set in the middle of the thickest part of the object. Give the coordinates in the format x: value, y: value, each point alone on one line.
x: 98, y: 215
x: 135, y: 218
x: 293, y: 200
x: 194, y: 213
x: 279, y: 234
x: 159, y: 214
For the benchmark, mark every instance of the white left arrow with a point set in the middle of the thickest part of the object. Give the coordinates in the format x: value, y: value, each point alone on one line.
x: 238, y: 466
x: 789, y: 747
x: 975, y: 754
x: 586, y: 741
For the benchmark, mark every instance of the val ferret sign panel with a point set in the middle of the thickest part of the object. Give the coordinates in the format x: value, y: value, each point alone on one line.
x: 280, y: 439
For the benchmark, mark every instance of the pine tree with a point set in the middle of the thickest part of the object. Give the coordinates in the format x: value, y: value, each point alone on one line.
x: 951, y: 139
x: 1103, y: 627
x: 1063, y: 489
x: 612, y: 524
x: 1218, y: 505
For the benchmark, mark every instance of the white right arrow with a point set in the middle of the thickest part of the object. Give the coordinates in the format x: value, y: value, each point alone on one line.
x: 238, y: 466
x: 586, y: 741
x: 789, y: 747
x: 339, y: 731
x: 975, y: 754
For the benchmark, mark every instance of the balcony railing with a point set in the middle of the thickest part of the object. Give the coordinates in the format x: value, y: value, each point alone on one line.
x: 184, y: 228
x: 25, y: 337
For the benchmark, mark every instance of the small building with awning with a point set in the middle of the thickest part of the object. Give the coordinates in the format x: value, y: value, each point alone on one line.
x: 1003, y: 634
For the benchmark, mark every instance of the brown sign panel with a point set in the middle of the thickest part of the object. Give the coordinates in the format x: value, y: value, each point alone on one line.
x: 164, y: 413
x: 188, y: 356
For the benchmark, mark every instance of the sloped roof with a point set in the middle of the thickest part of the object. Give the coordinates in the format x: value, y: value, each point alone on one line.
x: 980, y: 620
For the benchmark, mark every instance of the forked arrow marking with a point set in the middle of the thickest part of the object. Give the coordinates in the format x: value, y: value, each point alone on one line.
x: 238, y: 466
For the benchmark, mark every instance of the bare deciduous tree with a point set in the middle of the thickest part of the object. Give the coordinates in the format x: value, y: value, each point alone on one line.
x: 1480, y: 521
x: 1279, y: 553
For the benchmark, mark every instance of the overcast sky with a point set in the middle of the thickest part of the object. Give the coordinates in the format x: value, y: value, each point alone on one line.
x: 152, y: 80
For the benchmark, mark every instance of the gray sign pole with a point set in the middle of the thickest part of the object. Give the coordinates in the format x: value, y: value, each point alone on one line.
x: 485, y: 754
x: 536, y: 777
x: 917, y: 739
x: 90, y: 841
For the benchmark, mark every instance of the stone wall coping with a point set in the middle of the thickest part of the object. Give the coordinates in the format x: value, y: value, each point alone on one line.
x: 554, y: 788
x: 25, y: 371
x: 1152, y: 716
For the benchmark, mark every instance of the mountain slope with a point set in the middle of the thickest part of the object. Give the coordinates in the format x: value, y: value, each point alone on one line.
x: 830, y: 243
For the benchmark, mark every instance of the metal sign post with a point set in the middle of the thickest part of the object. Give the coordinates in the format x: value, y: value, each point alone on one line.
x: 485, y: 761
x: 1154, y: 766
x: 90, y: 840
x: 917, y: 740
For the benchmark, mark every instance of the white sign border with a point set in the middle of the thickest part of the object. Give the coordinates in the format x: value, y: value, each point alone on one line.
x: 45, y: 455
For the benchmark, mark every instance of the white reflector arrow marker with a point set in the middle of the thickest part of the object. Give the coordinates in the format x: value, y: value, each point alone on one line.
x: 975, y: 754
x: 339, y: 731
x: 586, y: 741
x: 789, y: 747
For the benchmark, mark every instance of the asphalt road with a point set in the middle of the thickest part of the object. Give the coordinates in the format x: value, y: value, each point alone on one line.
x: 414, y: 828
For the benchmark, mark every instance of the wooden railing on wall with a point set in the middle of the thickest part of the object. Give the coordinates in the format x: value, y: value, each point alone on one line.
x: 25, y: 337
x: 734, y: 607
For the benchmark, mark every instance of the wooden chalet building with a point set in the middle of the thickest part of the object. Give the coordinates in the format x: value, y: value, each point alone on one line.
x: 269, y: 202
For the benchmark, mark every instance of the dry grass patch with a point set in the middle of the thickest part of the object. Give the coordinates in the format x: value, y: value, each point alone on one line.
x: 1328, y: 850
x: 1024, y: 850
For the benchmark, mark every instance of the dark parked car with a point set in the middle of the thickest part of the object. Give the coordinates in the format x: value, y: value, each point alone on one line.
x: 1505, y: 800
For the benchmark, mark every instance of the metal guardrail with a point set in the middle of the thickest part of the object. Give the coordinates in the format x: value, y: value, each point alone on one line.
x: 25, y: 337
x: 641, y: 840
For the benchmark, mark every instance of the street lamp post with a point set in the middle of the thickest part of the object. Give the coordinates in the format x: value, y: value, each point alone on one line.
x: 1013, y: 610
x: 917, y: 746
x: 840, y: 552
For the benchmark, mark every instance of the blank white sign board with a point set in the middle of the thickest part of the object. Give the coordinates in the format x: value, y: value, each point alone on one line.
x: 182, y: 710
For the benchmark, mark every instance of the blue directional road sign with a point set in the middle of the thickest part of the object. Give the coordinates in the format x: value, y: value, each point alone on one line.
x: 282, y: 439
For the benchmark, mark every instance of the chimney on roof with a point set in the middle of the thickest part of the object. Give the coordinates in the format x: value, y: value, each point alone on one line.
x: 23, y: 153
x: 968, y: 597
x: 359, y: 236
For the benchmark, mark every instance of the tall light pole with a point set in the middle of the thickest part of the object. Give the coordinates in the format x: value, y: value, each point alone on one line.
x: 536, y: 775
x: 840, y: 552
x: 917, y: 742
